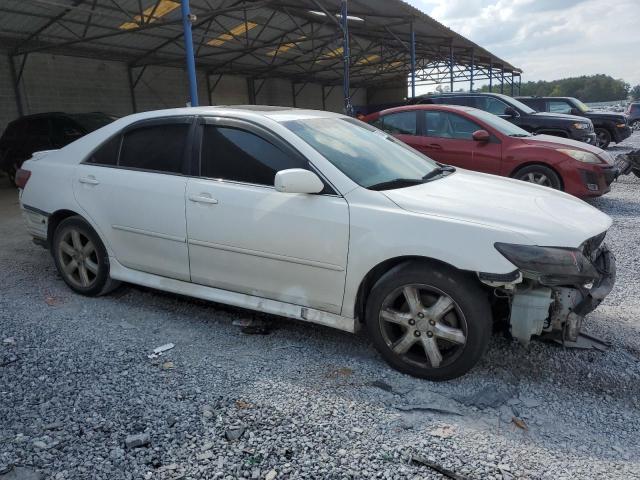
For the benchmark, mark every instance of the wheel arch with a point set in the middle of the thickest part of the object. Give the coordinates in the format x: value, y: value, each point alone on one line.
x: 54, y: 220
x: 375, y: 273
x: 530, y: 163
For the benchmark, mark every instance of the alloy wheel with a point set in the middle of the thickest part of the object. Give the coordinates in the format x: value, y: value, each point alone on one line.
x: 635, y: 125
x: 538, y: 178
x: 423, y: 325
x: 78, y: 258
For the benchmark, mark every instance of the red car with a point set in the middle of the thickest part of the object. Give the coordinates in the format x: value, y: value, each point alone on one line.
x: 477, y: 140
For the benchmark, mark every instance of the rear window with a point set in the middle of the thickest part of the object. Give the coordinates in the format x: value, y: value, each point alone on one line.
x: 13, y: 131
x: 92, y: 121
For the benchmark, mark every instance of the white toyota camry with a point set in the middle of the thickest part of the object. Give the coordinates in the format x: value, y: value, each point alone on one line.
x: 319, y: 217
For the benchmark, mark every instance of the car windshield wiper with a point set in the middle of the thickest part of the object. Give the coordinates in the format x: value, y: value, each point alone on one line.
x: 520, y: 135
x: 438, y: 171
x: 396, y: 183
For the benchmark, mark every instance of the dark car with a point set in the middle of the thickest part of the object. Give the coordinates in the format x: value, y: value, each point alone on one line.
x: 609, y: 126
x: 633, y: 115
x: 44, y: 131
x: 560, y: 125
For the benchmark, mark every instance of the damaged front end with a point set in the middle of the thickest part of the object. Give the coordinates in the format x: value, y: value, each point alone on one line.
x: 557, y: 287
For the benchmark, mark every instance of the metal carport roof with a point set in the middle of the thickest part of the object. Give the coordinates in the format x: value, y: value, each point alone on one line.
x: 297, y: 39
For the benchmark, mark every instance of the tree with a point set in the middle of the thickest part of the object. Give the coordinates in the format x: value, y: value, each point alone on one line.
x: 635, y: 92
x: 592, y: 88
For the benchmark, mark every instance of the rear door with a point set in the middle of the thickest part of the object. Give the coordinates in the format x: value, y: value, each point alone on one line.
x: 133, y: 188
x: 244, y: 236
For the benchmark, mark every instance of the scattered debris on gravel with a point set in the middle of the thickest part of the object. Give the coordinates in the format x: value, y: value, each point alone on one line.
x: 80, y: 398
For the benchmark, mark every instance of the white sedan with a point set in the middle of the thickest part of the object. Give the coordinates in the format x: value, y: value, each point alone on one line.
x: 319, y: 217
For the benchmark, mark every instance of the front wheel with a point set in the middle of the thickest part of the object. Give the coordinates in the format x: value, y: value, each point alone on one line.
x: 428, y: 320
x: 81, y: 258
x: 603, y: 137
x: 540, y: 175
x: 635, y: 125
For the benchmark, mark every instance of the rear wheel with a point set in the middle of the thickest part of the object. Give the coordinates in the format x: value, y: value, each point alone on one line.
x: 540, y: 175
x: 81, y: 258
x: 635, y: 125
x: 428, y: 320
x: 603, y: 137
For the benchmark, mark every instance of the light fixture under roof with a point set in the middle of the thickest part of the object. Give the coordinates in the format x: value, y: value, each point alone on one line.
x: 349, y: 17
x: 285, y: 47
x: 236, y: 31
x: 151, y: 14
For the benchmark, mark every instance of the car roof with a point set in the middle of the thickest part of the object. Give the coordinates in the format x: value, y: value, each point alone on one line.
x: 279, y: 114
x: 428, y: 106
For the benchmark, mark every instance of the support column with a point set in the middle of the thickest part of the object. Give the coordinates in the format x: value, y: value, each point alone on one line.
x: 451, y: 68
x: 132, y: 89
x: 513, y: 84
x: 346, y: 59
x: 251, y: 89
x: 293, y: 94
x: 519, y: 84
x: 16, y: 86
x: 324, y: 99
x: 413, y: 61
x: 502, y: 79
x: 473, y: 65
x: 490, y: 76
x: 188, y: 48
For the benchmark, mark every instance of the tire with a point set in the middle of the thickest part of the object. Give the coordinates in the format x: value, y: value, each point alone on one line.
x: 447, y: 303
x: 635, y: 125
x: 81, y: 258
x: 540, y: 175
x: 636, y: 172
x: 603, y: 137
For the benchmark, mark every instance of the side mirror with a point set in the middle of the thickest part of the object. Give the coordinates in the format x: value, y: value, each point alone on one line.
x: 298, y: 180
x: 481, y: 136
x: 511, y: 112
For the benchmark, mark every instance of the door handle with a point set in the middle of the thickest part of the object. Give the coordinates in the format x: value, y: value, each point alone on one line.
x: 90, y: 180
x: 203, y: 198
x: 434, y: 146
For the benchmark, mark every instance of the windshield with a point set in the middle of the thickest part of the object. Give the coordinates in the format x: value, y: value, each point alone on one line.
x: 366, y: 155
x: 500, y: 124
x: 581, y: 106
x: 516, y: 103
x: 92, y: 121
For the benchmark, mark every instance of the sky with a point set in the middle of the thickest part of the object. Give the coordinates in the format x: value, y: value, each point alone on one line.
x: 550, y: 39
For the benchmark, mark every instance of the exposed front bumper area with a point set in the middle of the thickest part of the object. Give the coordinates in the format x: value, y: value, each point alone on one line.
x: 538, y: 308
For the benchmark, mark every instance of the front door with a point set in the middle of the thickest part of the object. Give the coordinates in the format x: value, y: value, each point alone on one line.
x: 133, y: 188
x: 448, y: 138
x: 246, y: 237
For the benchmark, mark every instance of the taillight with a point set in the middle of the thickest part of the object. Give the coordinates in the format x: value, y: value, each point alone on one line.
x: 22, y: 177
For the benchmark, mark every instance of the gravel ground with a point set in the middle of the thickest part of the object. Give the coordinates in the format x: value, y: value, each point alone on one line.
x: 76, y: 386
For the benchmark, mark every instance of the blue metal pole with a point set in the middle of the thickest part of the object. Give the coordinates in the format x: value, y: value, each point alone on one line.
x: 413, y: 62
x: 451, y: 68
x: 346, y: 83
x: 188, y: 47
x: 473, y: 65
x: 491, y: 76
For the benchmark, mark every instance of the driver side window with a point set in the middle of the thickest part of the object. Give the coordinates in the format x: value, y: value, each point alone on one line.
x: 559, y: 106
x: 492, y: 105
x: 230, y: 153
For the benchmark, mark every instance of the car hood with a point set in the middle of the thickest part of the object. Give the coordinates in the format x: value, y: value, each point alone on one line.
x: 551, y: 141
x: 613, y: 116
x: 543, y: 216
x: 560, y: 116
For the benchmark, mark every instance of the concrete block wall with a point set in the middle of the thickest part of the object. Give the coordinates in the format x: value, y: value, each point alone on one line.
x: 74, y: 84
